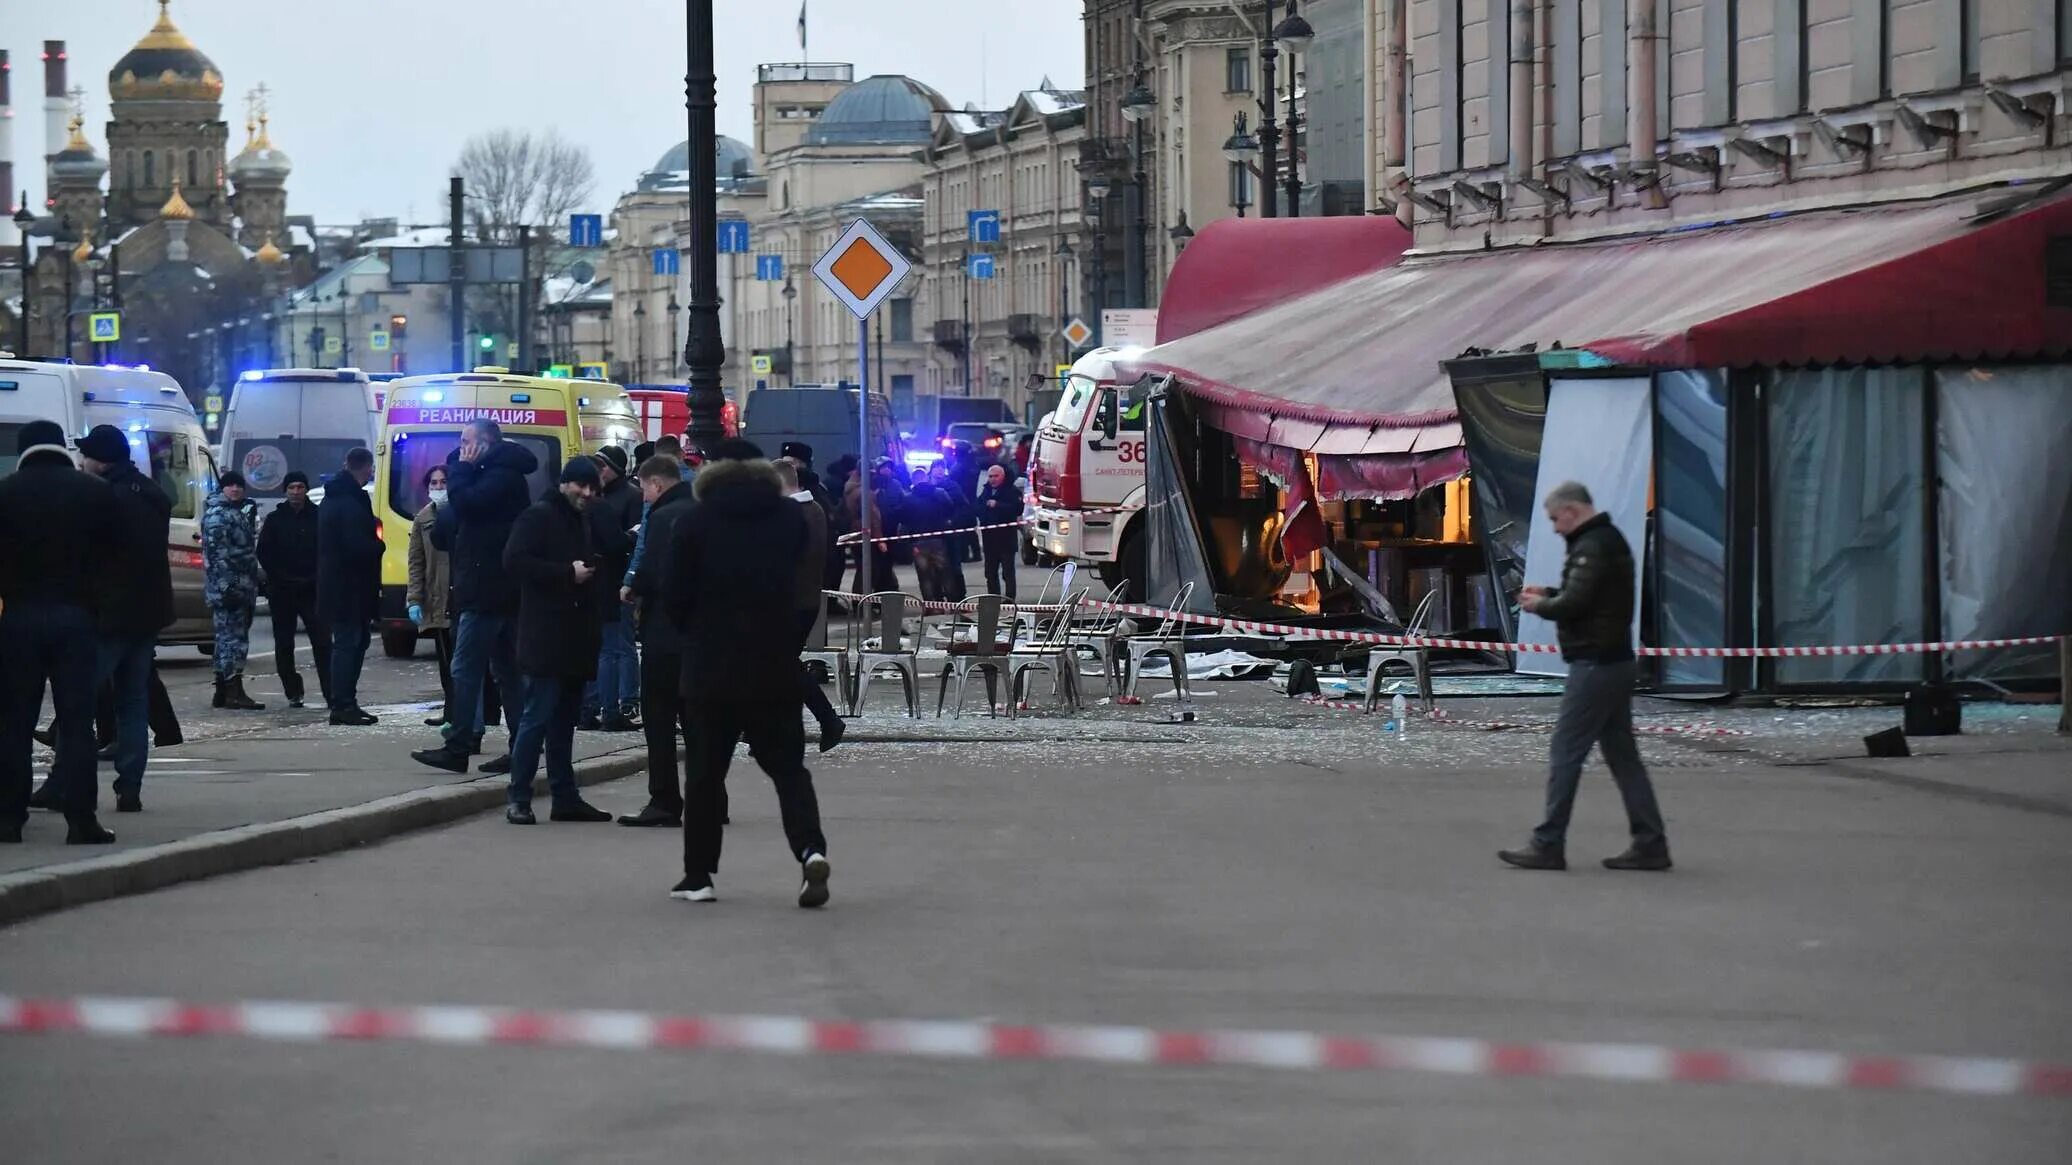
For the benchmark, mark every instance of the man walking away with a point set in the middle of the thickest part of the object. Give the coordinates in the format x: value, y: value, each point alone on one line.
x: 812, y: 566
x: 57, y: 525
x: 614, y: 522
x: 999, y: 501
x: 288, y: 558
x: 349, y: 580
x: 929, y: 510
x: 139, y: 582
x: 1592, y: 611
x: 741, y: 661
x: 230, y: 571
x: 485, y: 493
x: 661, y: 658
x: 551, y: 555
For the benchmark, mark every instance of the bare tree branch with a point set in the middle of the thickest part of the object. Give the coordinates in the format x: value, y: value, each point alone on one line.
x: 517, y: 178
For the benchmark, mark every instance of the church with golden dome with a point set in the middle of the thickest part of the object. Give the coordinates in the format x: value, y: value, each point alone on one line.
x: 192, y: 233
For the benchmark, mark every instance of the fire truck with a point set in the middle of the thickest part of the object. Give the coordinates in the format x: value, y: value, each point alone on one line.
x: 1087, y: 474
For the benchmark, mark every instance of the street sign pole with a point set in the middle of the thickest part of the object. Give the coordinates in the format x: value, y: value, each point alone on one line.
x: 863, y: 452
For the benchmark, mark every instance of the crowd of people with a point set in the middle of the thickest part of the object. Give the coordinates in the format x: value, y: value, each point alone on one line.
x: 962, y: 510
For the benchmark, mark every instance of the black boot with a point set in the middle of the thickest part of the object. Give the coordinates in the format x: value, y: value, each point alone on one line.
x: 1641, y: 857
x: 221, y: 700
x: 291, y: 687
x: 86, y: 831
x: 1535, y: 857
x: 234, y: 696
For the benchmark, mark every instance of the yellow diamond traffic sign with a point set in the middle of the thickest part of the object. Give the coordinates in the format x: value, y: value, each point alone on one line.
x: 862, y: 269
x: 1077, y: 333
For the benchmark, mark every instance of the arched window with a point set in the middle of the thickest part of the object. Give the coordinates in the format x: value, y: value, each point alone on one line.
x: 150, y: 170
x: 193, y: 170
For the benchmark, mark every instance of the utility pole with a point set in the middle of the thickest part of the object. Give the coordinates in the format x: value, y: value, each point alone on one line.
x: 964, y: 348
x: 528, y: 359
x: 1269, y: 132
x: 705, y: 352
x: 1136, y: 280
x: 457, y: 272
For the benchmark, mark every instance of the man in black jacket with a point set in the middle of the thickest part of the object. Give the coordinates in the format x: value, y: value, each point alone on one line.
x: 348, y: 580
x: 730, y: 560
x: 140, y: 602
x: 661, y: 660
x: 999, y: 501
x: 288, y: 559
x: 609, y: 702
x: 553, y: 559
x: 485, y: 493
x: 57, y: 526
x: 1592, y: 611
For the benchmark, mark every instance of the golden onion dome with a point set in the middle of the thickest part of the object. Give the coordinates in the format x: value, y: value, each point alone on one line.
x: 165, y: 66
x: 269, y: 254
x: 176, y: 208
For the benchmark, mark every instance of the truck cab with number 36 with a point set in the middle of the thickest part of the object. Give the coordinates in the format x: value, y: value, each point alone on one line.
x: 1087, y: 472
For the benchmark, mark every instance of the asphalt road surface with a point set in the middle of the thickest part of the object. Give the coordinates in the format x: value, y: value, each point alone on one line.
x: 1097, y: 884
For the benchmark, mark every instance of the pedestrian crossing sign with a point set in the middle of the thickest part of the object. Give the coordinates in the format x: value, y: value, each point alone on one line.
x: 760, y: 364
x: 104, y: 327
x: 378, y: 340
x: 333, y: 344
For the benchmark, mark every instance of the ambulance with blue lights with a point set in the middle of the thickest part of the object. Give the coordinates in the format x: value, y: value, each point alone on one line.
x: 555, y: 418
x: 286, y: 419
x: 167, y: 443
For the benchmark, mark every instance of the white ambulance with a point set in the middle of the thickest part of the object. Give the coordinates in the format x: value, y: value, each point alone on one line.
x: 166, y: 442
x: 283, y: 419
x: 1087, y: 472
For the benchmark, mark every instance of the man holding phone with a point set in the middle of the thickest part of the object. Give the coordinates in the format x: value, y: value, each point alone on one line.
x: 560, y: 586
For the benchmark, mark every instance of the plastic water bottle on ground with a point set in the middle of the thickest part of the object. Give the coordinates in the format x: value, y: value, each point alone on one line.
x: 1399, y: 713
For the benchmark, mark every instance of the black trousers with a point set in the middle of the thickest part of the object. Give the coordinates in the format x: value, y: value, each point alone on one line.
x: 778, y: 740
x: 290, y: 605
x: 661, y: 686
x: 1000, y: 564
x: 810, y: 690
x: 165, y: 724
x: 1597, y: 708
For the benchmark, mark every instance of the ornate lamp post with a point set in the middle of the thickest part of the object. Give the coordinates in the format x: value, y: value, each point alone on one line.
x: 704, y: 352
x: 1240, y: 150
x: 1294, y: 35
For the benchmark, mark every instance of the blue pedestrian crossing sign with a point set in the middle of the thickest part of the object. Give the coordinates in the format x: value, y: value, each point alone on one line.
x: 666, y: 261
x: 769, y: 268
x: 586, y: 230
x: 981, y: 267
x: 983, y: 225
x: 104, y: 327
x: 733, y: 237
x: 378, y: 340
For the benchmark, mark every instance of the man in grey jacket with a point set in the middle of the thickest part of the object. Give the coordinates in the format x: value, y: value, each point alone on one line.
x: 1592, y: 611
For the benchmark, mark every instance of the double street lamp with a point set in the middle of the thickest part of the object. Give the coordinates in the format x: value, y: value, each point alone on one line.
x: 23, y: 219
x: 1294, y: 36
x: 1241, y: 149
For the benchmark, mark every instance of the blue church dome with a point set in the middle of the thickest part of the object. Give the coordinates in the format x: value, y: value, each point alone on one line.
x: 880, y: 110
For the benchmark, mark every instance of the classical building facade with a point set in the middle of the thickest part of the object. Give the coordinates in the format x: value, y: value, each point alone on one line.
x: 1523, y: 117
x: 996, y: 310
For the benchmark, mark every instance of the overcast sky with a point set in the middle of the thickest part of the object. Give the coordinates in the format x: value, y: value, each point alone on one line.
x: 372, y: 98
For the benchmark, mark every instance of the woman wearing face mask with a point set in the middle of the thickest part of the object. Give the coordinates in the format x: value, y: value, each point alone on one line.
x: 430, y: 579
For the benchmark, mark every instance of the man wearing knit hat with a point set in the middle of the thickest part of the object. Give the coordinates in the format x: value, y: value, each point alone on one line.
x: 288, y: 557
x: 57, y: 525
x: 230, y: 586
x: 140, y: 602
x: 554, y: 559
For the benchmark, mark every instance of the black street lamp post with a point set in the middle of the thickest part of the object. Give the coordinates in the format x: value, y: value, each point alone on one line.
x: 1064, y: 257
x: 1240, y: 150
x: 674, y: 309
x: 1294, y: 35
x: 791, y: 294
x: 1269, y: 133
x: 23, y: 220
x: 1097, y: 194
x: 704, y: 352
x: 640, y: 340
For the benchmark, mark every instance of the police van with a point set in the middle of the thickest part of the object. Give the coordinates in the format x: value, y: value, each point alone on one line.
x: 555, y: 418
x: 166, y: 441
x: 283, y: 419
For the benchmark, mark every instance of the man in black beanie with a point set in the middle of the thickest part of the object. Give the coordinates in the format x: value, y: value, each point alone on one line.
x: 57, y: 524
x: 140, y: 602
x: 288, y: 558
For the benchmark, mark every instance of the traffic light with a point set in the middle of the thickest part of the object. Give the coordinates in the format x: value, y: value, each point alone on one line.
x: 488, y: 343
x: 398, y: 325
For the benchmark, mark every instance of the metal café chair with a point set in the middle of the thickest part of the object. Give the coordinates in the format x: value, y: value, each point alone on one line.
x: 987, y: 654
x: 886, y: 612
x: 1053, y: 653
x: 1168, y: 640
x: 1417, y: 659
x: 837, y: 660
x: 1029, y: 618
x: 1100, y: 637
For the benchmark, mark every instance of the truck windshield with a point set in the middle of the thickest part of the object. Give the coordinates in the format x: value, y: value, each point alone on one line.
x: 1079, y: 396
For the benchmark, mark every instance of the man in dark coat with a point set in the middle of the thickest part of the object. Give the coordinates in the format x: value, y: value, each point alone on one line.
x: 1592, y: 611
x: 812, y: 601
x: 999, y: 501
x: 741, y: 661
x: 485, y: 493
x: 348, y: 580
x: 661, y: 640
x: 614, y: 522
x: 56, y: 525
x: 288, y: 559
x: 554, y: 560
x: 930, y: 509
x: 139, y: 602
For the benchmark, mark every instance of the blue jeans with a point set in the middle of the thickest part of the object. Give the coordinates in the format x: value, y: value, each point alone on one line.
x: 482, y: 645
x: 349, y: 639
x: 51, y: 643
x: 548, y: 724
x: 125, y: 663
x: 617, y: 684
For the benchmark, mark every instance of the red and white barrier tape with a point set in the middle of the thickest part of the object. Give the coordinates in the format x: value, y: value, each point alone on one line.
x: 1379, y: 638
x: 948, y: 608
x: 1440, y: 716
x: 628, y: 1031
x: 852, y: 538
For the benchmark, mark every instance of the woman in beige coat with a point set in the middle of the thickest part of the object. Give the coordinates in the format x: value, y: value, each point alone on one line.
x: 430, y: 579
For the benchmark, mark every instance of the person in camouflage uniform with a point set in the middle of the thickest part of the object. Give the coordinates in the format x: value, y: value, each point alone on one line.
x: 230, y: 556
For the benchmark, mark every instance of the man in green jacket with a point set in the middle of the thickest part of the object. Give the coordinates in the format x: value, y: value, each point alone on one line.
x: 1592, y: 611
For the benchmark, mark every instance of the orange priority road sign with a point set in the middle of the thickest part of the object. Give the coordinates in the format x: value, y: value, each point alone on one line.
x: 862, y: 269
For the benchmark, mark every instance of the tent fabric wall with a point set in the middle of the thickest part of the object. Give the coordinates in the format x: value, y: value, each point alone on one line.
x: 1846, y: 530
x: 2005, y: 512
x: 1691, y: 522
x: 1600, y: 432
x: 1504, y: 421
x: 1173, y: 551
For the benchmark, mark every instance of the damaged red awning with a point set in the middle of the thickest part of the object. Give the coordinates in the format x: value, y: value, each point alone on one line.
x: 1336, y: 371
x: 1236, y: 266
